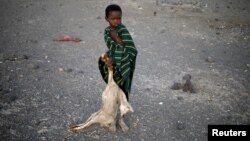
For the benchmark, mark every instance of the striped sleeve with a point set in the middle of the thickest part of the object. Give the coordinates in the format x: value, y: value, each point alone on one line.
x: 112, y: 45
x: 128, y: 41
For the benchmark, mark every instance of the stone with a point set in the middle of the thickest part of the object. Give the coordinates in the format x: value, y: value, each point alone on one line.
x: 176, y: 86
x: 42, y: 131
x: 33, y: 66
x: 155, y: 13
x: 186, y: 77
x: 180, y: 98
x: 180, y: 125
x: 209, y: 59
x: 68, y: 70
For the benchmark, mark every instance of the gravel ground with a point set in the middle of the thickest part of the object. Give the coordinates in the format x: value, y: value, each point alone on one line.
x: 47, y: 86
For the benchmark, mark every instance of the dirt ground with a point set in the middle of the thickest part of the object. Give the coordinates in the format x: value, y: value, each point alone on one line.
x: 45, y: 86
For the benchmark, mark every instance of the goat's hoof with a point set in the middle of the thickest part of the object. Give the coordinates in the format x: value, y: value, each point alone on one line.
x: 123, y: 126
x: 72, y: 129
x: 112, y: 129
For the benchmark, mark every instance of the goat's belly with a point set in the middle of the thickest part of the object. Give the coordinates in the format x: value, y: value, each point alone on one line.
x: 110, y: 99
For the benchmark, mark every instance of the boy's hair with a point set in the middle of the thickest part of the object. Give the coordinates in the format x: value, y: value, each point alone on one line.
x: 112, y: 7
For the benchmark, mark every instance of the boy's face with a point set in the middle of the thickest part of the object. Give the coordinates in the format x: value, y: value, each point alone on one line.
x: 114, y: 18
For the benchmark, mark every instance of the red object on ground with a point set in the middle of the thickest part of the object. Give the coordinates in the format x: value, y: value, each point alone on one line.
x: 67, y: 39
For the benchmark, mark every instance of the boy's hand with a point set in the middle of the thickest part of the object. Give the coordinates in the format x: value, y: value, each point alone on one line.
x: 107, y: 60
x: 115, y: 37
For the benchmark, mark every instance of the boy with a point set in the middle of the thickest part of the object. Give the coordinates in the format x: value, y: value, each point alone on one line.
x: 121, y: 49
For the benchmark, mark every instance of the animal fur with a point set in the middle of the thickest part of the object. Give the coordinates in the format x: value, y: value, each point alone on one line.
x: 112, y: 99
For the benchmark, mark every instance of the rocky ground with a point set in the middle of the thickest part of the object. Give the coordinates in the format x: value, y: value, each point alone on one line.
x: 47, y: 86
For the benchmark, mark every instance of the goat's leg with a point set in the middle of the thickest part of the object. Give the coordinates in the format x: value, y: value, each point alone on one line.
x: 94, y: 118
x: 125, y: 107
x: 122, y: 124
x: 112, y: 127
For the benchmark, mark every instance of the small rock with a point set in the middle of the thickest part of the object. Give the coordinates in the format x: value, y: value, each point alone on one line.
x: 61, y: 69
x: 10, y: 57
x: 209, y: 59
x: 6, y: 112
x: 217, y: 33
x: 155, y: 13
x: 33, y: 66
x: 34, y: 41
x: 160, y: 103
x: 57, y: 97
x: 186, y: 77
x: 248, y: 66
x: 47, y: 70
x: 82, y: 72
x: 42, y: 131
x: 180, y: 125
x: 68, y: 70
x: 99, y: 17
x: 176, y: 86
x: 13, y: 132
x: 22, y: 57
x: 180, y: 98
x: 37, y: 79
x: 189, y: 86
x: 14, y: 57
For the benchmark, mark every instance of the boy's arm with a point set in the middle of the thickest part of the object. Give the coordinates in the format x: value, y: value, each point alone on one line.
x: 113, y: 46
x: 128, y: 41
x: 116, y: 38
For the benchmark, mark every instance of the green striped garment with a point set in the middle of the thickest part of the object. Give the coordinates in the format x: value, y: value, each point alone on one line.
x: 123, y: 56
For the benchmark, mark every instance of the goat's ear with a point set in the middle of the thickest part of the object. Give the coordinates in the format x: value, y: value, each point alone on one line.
x: 131, y: 109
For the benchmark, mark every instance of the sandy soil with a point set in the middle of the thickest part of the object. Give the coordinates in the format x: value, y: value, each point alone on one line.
x: 47, y: 86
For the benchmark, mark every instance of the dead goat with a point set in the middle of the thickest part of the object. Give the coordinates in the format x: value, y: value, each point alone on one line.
x: 112, y: 99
